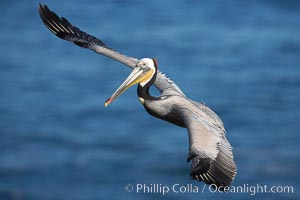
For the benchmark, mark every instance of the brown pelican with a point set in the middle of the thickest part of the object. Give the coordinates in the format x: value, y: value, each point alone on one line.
x: 209, y: 150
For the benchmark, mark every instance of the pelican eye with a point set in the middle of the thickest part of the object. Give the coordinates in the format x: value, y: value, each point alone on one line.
x: 142, y: 65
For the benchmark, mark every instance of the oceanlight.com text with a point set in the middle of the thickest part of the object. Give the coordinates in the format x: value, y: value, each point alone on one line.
x: 156, y: 188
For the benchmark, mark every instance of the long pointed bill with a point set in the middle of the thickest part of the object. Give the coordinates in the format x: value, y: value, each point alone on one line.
x: 137, y: 75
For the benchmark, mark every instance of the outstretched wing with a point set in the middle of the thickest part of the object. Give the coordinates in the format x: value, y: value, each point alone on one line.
x: 209, y: 151
x: 63, y: 29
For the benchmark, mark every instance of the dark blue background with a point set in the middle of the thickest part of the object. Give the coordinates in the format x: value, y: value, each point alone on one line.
x: 57, y: 141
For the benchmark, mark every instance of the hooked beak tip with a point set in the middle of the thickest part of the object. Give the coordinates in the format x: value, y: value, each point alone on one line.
x: 107, y: 102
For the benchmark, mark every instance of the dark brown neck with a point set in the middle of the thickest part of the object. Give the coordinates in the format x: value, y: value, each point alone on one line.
x: 144, y: 93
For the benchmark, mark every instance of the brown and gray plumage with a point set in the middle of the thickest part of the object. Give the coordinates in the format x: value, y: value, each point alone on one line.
x: 209, y: 150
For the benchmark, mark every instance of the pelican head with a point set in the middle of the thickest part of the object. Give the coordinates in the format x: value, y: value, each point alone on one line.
x: 142, y: 73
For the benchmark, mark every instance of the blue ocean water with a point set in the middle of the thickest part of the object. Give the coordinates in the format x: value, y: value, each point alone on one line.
x: 242, y: 58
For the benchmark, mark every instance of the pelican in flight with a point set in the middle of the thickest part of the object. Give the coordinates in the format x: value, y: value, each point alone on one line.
x: 209, y: 150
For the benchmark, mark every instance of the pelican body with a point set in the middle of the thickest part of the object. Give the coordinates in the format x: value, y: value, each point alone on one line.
x: 209, y: 150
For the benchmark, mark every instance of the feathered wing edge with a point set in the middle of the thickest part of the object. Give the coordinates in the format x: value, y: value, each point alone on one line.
x: 219, y: 172
x: 209, y: 151
x: 63, y: 29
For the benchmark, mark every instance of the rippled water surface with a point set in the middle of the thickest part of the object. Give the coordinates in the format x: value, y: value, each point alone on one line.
x: 242, y: 58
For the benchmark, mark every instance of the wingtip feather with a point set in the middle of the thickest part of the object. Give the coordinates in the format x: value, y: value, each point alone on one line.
x: 219, y: 172
x: 63, y: 29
